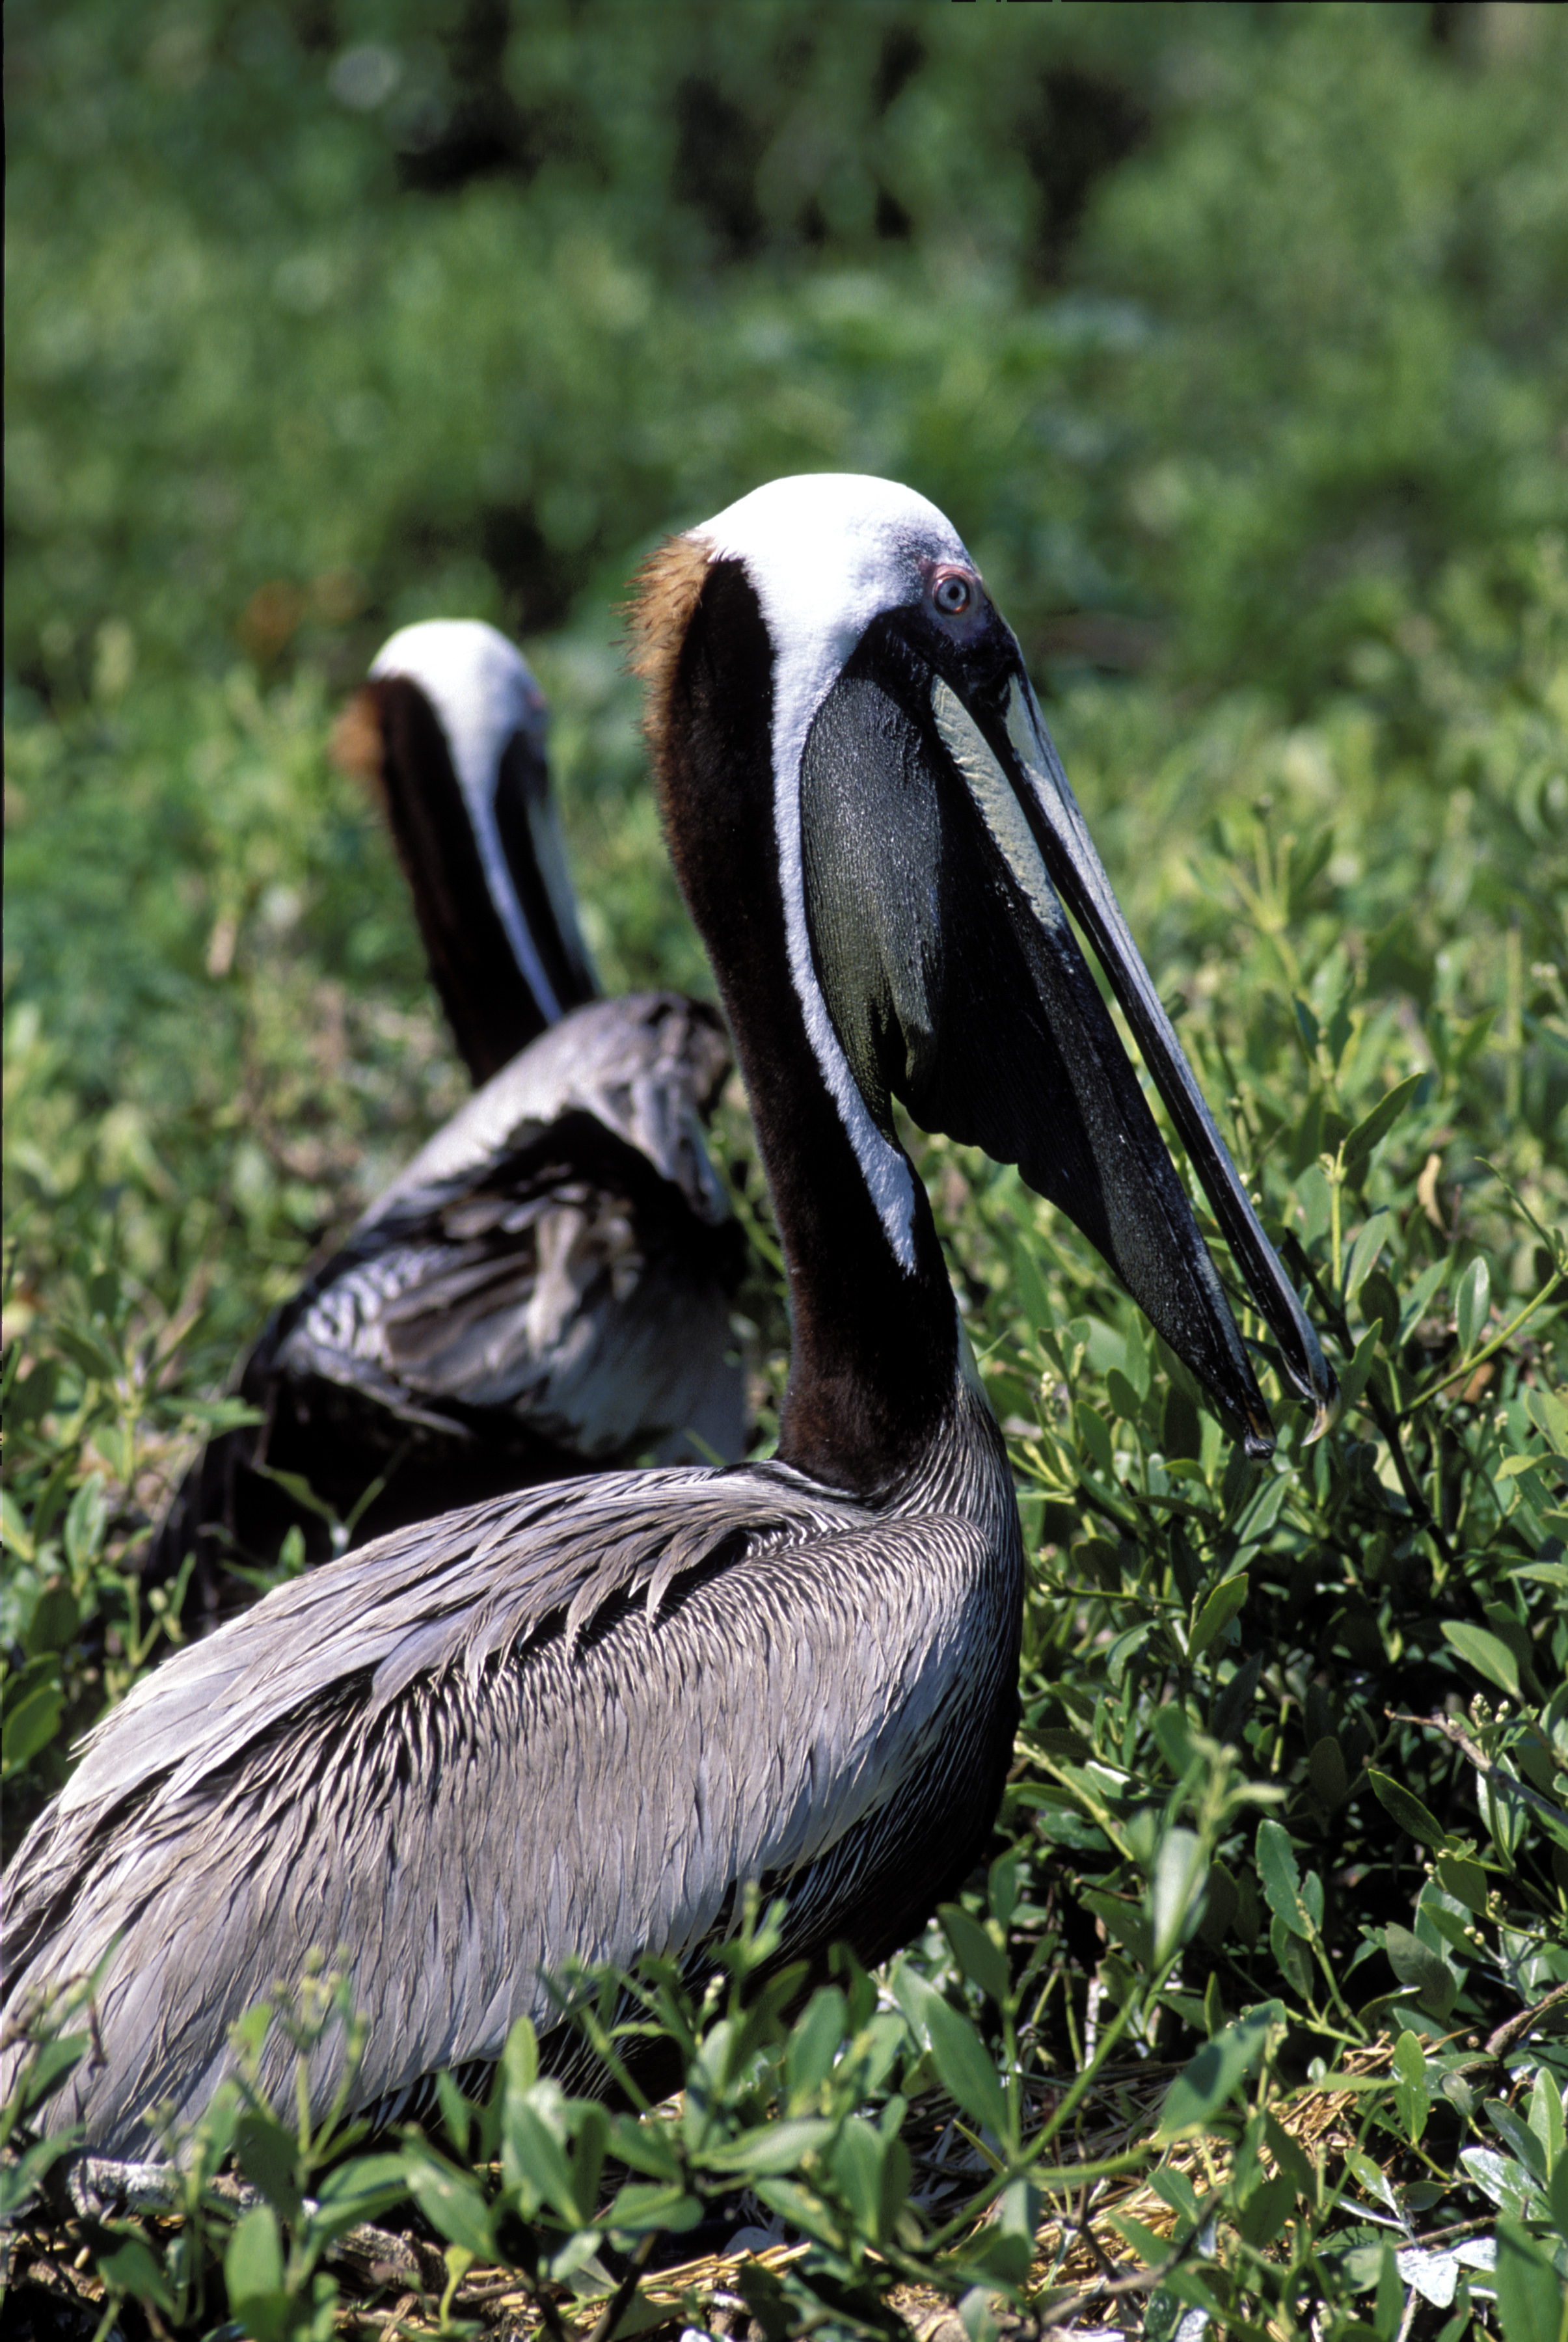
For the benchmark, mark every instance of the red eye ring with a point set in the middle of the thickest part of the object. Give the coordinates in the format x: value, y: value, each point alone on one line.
x: 952, y: 593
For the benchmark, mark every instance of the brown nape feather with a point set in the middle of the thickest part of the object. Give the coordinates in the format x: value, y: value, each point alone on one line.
x: 665, y: 593
x: 357, y: 745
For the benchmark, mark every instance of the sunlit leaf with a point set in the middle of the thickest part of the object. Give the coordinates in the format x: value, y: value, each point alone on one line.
x: 1282, y: 1879
x: 253, y: 2271
x: 1375, y: 1126
x: 1487, y: 1653
x: 965, y: 2065
x: 1207, y: 2082
x: 1471, y: 1302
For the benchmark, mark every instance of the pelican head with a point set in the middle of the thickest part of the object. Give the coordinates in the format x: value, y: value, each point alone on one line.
x: 928, y: 850
x: 450, y: 729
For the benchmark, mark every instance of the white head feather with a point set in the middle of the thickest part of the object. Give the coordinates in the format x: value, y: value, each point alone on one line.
x: 826, y: 553
x: 483, y: 692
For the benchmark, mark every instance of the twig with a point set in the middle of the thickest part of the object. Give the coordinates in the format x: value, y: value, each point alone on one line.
x: 1498, y: 1341
x: 1085, y: 2226
x: 1493, y: 1774
x: 1508, y: 2037
x: 1109, y: 2289
x: 618, y: 2299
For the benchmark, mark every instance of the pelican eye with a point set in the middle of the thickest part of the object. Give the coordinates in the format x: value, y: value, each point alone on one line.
x: 952, y: 594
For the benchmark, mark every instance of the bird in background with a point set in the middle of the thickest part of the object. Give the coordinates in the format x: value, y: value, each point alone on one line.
x: 579, y: 1723
x: 547, y: 1286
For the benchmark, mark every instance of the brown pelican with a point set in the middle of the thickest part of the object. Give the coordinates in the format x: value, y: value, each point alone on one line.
x: 576, y: 1722
x: 548, y: 1284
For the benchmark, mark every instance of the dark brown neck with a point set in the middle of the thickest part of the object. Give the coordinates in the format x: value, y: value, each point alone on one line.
x: 492, y: 1004
x: 874, y: 1343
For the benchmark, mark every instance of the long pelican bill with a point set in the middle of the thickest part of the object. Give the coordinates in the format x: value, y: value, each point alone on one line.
x: 991, y: 1028
x: 1058, y: 826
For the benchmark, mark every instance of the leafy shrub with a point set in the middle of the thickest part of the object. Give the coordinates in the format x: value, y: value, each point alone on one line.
x: 1227, y: 337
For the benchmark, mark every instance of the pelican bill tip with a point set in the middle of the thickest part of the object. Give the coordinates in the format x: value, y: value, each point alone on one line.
x: 1327, y: 1407
x: 1258, y: 1440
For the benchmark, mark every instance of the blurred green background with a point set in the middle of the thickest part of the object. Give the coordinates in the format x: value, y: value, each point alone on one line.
x: 1234, y: 340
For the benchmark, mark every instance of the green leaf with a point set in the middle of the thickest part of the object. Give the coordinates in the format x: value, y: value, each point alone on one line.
x: 1407, y: 1810
x: 1370, y: 1241
x: 1218, y: 1913
x: 1471, y: 1304
x: 1417, y: 1301
x: 296, y: 1486
x: 1282, y: 1880
x: 1326, y: 1772
x: 667, y: 2208
x: 1488, y: 1655
x: 533, y: 2159
x: 21, y: 2175
x: 1209, y: 2080
x: 30, y: 1726
x: 815, y: 2042
x: 1379, y: 1308
x: 133, y: 2269
x: 798, y: 2205
x: 1550, y: 1416
x: 1421, y: 1970
x: 1291, y: 1953
x: 770, y: 2148
x: 1370, y: 2176
x: 1180, y: 1874
x: 964, y: 2066
x: 449, y: 2200
x: 1412, y: 2094
x: 857, y: 2165
x: 1354, y: 1378
x: 1266, y: 2210
x: 1531, y: 2306
x: 979, y: 1956
x: 1231, y: 1707
x: 86, y: 1521
x: 14, y: 1535
x: 1519, y: 2137
x: 46, y: 2069
x: 1216, y: 1613
x: 1463, y: 1879
x: 87, y: 1353
x: 520, y: 2058
x: 252, y: 2272
x: 268, y: 2157
x: 1173, y: 2187
x: 1557, y: 2194
x: 1380, y: 1120
x: 1546, y: 2117
x: 55, y: 1618
x: 1094, y: 1435
x: 647, y: 2146
x: 1125, y: 1921
x: 1506, y: 2182
x: 356, y: 2191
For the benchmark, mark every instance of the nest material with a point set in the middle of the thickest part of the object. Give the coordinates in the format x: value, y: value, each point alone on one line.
x: 392, y: 2285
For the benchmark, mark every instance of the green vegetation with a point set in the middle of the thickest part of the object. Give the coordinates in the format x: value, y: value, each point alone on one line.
x: 1233, y: 340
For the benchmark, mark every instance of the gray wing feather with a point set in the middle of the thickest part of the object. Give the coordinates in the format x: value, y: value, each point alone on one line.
x: 548, y: 1305
x: 369, y: 1759
x: 645, y: 1065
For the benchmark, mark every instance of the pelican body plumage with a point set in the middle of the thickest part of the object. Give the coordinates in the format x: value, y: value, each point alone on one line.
x: 547, y: 1288
x: 576, y: 1722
